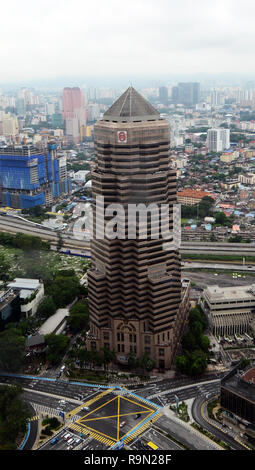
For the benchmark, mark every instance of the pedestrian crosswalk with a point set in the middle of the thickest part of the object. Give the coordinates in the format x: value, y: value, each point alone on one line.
x: 35, y: 418
x: 94, y: 435
x: 45, y: 409
x: 141, y: 429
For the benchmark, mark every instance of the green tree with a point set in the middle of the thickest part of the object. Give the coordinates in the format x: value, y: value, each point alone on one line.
x: 204, y: 343
x: 56, y: 346
x: 13, y: 416
x: 47, y: 307
x: 199, y: 363
x: 4, y: 267
x: 78, y: 317
x: 182, y: 363
x: 12, y: 348
x: 147, y: 363
x: 189, y: 341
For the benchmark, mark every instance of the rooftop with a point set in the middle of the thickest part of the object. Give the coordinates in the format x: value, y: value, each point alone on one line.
x: 231, y: 293
x: 20, y: 283
x: 130, y: 107
x: 194, y: 193
x: 235, y: 382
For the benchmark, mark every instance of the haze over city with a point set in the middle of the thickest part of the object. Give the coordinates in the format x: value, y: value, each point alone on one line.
x: 127, y: 229
x: 47, y: 40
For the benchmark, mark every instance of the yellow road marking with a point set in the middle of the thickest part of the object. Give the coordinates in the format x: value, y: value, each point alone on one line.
x: 139, y: 423
x: 101, y: 433
x: 149, y: 409
x: 79, y: 408
x: 118, y: 420
x: 113, y: 416
x: 104, y: 404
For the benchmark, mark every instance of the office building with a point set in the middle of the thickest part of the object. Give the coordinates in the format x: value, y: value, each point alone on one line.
x: 218, y: 139
x: 31, y: 176
x: 237, y: 398
x: 72, y: 99
x: 163, y: 95
x: 74, y: 113
x: 136, y: 299
x: 187, y: 94
x: 230, y: 310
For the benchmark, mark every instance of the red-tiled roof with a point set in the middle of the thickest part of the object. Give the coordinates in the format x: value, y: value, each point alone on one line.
x: 194, y: 193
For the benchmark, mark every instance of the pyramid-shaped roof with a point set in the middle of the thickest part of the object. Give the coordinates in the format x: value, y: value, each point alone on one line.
x: 131, y: 106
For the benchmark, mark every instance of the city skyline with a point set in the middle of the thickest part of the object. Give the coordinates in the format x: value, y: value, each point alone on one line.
x: 95, y: 39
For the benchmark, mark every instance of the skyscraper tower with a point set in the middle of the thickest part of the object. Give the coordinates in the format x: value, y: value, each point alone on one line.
x: 72, y: 100
x: 134, y: 284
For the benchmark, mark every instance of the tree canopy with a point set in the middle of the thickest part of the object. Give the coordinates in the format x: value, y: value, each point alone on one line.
x: 13, y: 416
x: 12, y: 348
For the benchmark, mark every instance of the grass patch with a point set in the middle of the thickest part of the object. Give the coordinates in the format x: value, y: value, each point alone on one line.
x: 225, y: 258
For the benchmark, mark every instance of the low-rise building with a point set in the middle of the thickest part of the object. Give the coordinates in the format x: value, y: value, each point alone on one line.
x: 190, y: 197
x: 9, y: 306
x: 30, y: 291
x: 228, y: 157
x: 229, y: 310
x: 55, y: 324
x: 249, y: 178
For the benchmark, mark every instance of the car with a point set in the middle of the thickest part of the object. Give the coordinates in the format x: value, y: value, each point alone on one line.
x: 54, y: 440
x: 122, y: 424
x: 137, y: 415
x: 67, y: 436
x: 63, y: 368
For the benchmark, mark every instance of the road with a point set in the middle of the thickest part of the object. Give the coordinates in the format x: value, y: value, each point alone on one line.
x: 45, y: 395
x: 219, y: 266
x: 198, y: 417
x: 14, y: 224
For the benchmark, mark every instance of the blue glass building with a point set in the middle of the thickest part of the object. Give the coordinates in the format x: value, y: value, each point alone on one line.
x: 31, y: 176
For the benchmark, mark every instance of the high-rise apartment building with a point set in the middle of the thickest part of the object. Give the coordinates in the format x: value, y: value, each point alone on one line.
x: 72, y: 99
x: 31, y: 176
x: 163, y: 94
x: 73, y: 112
x: 135, y: 293
x: 218, y: 139
x: 187, y: 93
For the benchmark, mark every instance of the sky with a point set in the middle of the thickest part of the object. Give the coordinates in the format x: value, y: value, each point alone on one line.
x: 47, y: 39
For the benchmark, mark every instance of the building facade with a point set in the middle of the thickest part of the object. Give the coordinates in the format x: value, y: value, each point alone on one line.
x: 237, y: 397
x: 135, y: 291
x: 31, y: 176
x: 190, y: 197
x: 186, y: 93
x: 230, y: 310
x: 218, y: 139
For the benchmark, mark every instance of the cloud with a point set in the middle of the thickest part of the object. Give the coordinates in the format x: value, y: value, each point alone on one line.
x: 50, y: 38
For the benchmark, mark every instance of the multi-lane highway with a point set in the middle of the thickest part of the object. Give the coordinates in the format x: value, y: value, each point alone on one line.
x: 70, y: 241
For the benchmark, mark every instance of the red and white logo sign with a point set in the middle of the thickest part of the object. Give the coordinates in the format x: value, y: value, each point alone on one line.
x: 122, y: 137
